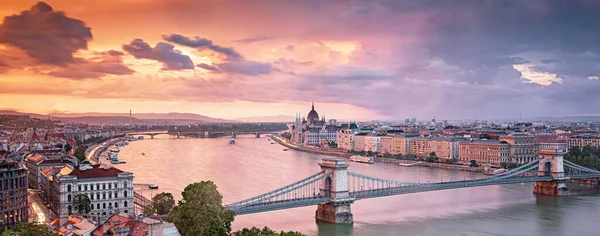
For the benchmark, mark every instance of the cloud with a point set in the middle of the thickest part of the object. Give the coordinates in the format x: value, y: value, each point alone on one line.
x: 250, y: 68
x: 207, y: 67
x: 202, y: 43
x: 528, y: 72
x: 162, y: 52
x: 46, y: 35
x: 290, y: 48
x: 550, y: 61
x: 106, y: 63
x: 253, y: 39
x: 594, y: 78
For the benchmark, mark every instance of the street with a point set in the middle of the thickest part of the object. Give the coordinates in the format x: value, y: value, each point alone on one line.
x: 39, y: 212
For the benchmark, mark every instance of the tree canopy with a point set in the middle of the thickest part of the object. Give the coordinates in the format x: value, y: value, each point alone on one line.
x: 162, y: 203
x: 82, y: 204
x: 31, y: 229
x: 587, y: 156
x: 201, y: 212
x: 264, y: 232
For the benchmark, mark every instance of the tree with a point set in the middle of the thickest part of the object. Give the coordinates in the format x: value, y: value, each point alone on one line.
x: 451, y: 161
x: 387, y: 155
x: 474, y: 163
x: 82, y: 204
x: 410, y: 156
x: 31, y: 229
x: 201, y: 212
x: 432, y: 157
x: 68, y: 148
x: 80, y: 153
x: 504, y: 165
x: 162, y: 203
x: 148, y: 210
x: 369, y: 153
x: 286, y: 135
x: 363, y: 152
x: 264, y: 232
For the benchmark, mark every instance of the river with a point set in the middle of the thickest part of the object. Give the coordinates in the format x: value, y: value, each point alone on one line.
x: 254, y: 166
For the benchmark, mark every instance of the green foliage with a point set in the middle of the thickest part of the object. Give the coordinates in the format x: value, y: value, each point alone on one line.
x: 451, y: 161
x: 200, y: 212
x: 387, y: 155
x: 332, y: 144
x: 31, y: 229
x: 163, y: 203
x: 264, y: 232
x: 286, y: 135
x: 362, y: 153
x: 432, y: 157
x: 148, y: 210
x: 80, y: 153
x: 68, y: 148
x: 82, y: 204
x: 370, y: 153
x: 587, y: 156
x: 474, y: 163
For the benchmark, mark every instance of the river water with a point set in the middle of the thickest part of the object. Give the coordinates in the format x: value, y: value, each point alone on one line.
x: 254, y: 166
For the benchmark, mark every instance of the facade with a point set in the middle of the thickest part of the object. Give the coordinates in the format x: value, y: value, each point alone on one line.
x: 398, y: 145
x: 522, y: 148
x: 345, y: 139
x: 419, y: 147
x: 442, y: 147
x: 372, y: 143
x: 582, y: 140
x: 386, y: 144
x: 312, y: 131
x: 484, y: 151
x: 13, y: 183
x: 359, y: 141
x: 36, y: 162
x: 109, y: 190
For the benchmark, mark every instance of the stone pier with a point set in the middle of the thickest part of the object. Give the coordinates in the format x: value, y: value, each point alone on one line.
x: 335, y: 186
x: 555, y: 168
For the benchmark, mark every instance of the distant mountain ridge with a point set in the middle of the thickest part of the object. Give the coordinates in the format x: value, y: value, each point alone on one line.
x: 122, y: 118
x: 279, y: 118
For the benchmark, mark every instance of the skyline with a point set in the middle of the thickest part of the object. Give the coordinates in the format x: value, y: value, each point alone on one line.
x: 356, y: 60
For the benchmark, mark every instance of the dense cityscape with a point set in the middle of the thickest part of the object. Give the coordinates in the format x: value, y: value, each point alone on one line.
x: 299, y: 118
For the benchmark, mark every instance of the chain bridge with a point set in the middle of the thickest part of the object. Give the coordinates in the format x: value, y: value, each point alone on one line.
x: 334, y: 188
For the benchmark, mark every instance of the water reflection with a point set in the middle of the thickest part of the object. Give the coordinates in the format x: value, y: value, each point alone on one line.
x: 254, y: 166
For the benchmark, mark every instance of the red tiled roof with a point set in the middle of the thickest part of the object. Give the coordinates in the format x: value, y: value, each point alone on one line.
x: 95, y: 172
x: 545, y: 139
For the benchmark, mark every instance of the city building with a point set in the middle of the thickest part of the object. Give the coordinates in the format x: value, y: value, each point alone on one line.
x: 372, y: 142
x: 36, y: 162
x: 345, y: 139
x: 359, y: 141
x: 522, y: 148
x: 109, y: 190
x: 419, y: 147
x: 13, y: 183
x: 128, y: 224
x: 484, y: 151
x: 75, y: 225
x: 312, y: 130
x: 385, y: 144
x: 582, y: 140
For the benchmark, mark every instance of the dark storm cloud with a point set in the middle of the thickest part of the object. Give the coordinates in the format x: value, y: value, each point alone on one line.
x: 202, y: 43
x: 162, y: 52
x: 49, y: 36
x: 253, y: 39
x: 207, y: 67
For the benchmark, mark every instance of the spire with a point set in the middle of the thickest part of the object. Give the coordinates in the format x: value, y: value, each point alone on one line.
x: 313, y: 106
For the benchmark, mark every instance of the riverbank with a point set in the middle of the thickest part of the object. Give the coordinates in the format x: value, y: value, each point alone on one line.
x: 341, y: 153
x: 93, y: 152
x: 428, y: 164
x: 335, y: 153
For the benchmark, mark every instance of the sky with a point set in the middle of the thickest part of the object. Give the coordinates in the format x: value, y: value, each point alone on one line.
x: 355, y: 59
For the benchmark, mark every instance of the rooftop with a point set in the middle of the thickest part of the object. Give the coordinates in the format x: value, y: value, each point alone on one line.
x: 95, y: 172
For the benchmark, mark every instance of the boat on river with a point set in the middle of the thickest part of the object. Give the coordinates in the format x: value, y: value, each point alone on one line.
x: 152, y: 186
x: 232, y: 141
x: 285, y: 149
x: 361, y: 159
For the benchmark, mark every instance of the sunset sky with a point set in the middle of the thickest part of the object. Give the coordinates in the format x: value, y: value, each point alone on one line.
x: 378, y: 59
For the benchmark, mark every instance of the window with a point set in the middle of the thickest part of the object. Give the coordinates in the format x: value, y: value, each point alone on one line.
x: 92, y: 206
x: 69, y: 188
x: 103, y: 195
x: 86, y: 187
x: 104, y: 205
x: 103, y: 186
x: 69, y: 198
x: 124, y: 184
x: 97, y: 186
x: 98, y: 196
x: 92, y: 196
x: 79, y: 188
x: 109, y: 204
x: 98, y: 206
x: 116, y: 204
x: 125, y: 193
x: 125, y: 204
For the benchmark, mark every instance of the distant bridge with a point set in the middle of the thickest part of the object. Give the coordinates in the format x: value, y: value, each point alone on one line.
x: 204, y: 134
x: 334, y: 189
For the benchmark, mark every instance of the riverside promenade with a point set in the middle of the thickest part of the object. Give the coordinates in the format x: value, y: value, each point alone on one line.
x: 343, y: 153
x: 330, y: 152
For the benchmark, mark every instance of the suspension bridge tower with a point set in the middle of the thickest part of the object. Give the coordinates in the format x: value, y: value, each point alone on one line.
x: 555, y: 168
x: 335, y: 186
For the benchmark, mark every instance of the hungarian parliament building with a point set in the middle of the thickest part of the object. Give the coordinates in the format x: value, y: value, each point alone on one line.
x: 313, y: 131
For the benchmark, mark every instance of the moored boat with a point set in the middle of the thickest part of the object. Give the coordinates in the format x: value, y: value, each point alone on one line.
x: 361, y: 159
x: 153, y: 186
